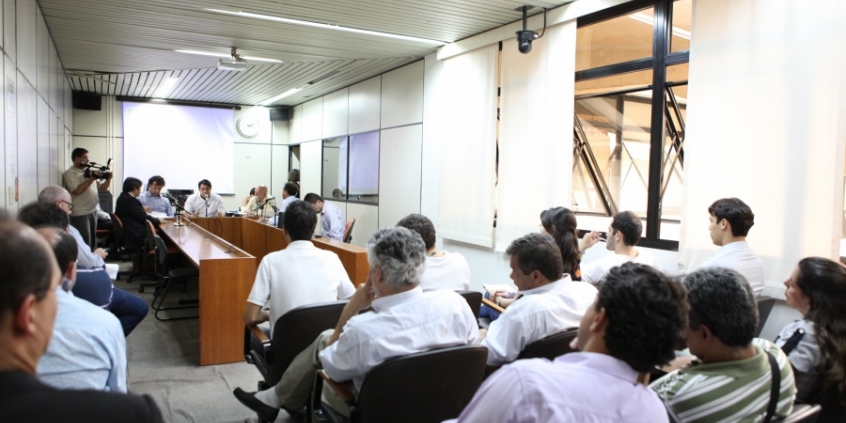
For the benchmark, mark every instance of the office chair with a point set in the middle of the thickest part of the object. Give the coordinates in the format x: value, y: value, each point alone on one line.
x: 474, y: 300
x: 426, y: 387
x: 348, y: 230
x: 166, y: 277
x: 550, y: 347
x: 765, y: 306
x: 118, y: 249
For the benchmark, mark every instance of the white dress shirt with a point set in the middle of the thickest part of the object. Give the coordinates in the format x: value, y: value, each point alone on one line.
x: 449, y: 271
x: 400, y: 324
x: 196, y: 205
x: 540, y: 312
x: 594, y: 271
x: 333, y: 223
x: 576, y: 387
x: 739, y: 257
x: 300, y: 274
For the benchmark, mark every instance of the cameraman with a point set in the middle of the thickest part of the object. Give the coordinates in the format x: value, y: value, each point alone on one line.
x: 85, y: 194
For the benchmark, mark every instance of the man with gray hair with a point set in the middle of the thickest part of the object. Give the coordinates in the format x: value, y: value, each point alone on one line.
x: 404, y: 320
x: 61, y: 197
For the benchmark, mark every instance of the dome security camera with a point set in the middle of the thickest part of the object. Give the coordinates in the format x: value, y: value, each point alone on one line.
x: 524, y: 40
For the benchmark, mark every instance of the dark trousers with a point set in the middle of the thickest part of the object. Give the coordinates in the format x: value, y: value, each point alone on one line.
x: 87, y: 227
x: 128, y: 308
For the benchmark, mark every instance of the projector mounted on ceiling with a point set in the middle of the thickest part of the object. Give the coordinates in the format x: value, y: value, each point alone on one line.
x: 236, y: 63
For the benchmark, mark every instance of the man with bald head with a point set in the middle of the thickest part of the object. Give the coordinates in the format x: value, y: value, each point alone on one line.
x: 61, y: 197
x: 261, y: 206
x: 28, y: 305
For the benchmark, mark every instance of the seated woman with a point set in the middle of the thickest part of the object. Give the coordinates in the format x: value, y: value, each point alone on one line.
x: 816, y: 345
x: 132, y: 214
x: 560, y: 224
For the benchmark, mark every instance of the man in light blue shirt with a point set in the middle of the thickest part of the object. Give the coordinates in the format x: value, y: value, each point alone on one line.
x: 152, y: 199
x: 61, y: 197
x: 332, y: 218
x: 88, y: 349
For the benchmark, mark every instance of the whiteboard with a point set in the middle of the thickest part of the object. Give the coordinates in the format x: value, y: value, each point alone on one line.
x: 183, y: 144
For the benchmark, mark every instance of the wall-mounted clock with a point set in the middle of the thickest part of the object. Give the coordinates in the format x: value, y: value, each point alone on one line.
x: 248, y: 126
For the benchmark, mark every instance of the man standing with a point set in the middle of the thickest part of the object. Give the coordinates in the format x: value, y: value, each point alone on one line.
x: 300, y: 274
x: 85, y: 191
x: 152, y: 199
x: 444, y: 270
x: 261, y: 206
x: 550, y: 301
x: 623, y: 234
x: 205, y: 203
x: 733, y: 379
x: 332, y: 218
x: 28, y: 307
x: 730, y: 222
x: 632, y: 326
x: 404, y: 320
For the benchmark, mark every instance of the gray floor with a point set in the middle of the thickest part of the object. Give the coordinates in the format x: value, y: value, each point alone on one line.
x: 163, y: 362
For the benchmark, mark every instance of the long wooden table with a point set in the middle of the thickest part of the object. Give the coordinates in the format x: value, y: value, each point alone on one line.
x: 226, y: 277
x: 259, y: 239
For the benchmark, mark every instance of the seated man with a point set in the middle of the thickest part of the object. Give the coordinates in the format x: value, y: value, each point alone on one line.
x: 623, y: 233
x: 621, y: 337
x: 443, y: 270
x: 333, y: 223
x: 152, y: 199
x: 550, y: 302
x: 92, y: 284
x: 289, y: 195
x: 404, y: 320
x: 28, y: 309
x: 88, y: 349
x: 205, y: 203
x: 733, y: 379
x: 62, y: 198
x: 132, y: 214
x: 730, y: 222
x: 298, y: 275
x: 261, y: 206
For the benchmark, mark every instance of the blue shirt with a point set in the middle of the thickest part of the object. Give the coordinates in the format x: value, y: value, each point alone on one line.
x: 87, y: 350
x: 156, y: 203
x: 86, y: 258
x: 333, y: 222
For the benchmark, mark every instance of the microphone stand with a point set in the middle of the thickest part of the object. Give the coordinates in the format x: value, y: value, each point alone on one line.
x: 206, y: 199
x: 179, y: 210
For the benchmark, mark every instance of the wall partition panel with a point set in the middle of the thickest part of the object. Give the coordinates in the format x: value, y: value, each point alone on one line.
x: 311, y: 160
x: 9, y: 29
x: 26, y: 38
x: 27, y: 110
x: 252, y: 168
x: 336, y: 113
x: 400, y: 165
x: 313, y: 120
x: 366, y: 222
x: 402, y: 96
x: 279, y: 170
x: 365, y: 98
x: 45, y: 166
x: 296, y: 128
x: 55, y: 148
x: 42, y: 59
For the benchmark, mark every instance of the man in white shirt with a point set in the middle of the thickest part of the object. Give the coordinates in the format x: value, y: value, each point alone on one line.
x: 621, y: 338
x: 623, y: 234
x: 333, y: 220
x: 261, y: 206
x: 405, y: 320
x: 443, y: 270
x: 205, y: 203
x: 550, y: 302
x: 300, y: 274
x: 730, y: 222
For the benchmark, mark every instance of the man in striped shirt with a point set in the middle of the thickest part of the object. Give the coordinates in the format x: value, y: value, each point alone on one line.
x: 732, y: 380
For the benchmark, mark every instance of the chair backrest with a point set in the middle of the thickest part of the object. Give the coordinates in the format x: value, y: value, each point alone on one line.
x: 150, y: 242
x: 550, y: 347
x: 107, y: 201
x: 431, y: 386
x: 765, y: 306
x: 804, y: 413
x: 161, y: 255
x: 474, y: 300
x: 296, y: 330
x: 348, y: 230
x: 280, y: 220
x: 117, y: 230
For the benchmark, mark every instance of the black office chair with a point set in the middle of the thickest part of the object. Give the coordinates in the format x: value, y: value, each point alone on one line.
x: 148, y: 258
x: 292, y: 333
x: 474, y: 300
x: 805, y: 413
x: 118, y: 250
x: 166, y: 277
x: 348, y: 230
x: 426, y: 387
x: 550, y: 347
x: 765, y: 306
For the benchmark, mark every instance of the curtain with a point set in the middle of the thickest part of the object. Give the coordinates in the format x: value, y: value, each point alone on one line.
x: 766, y: 125
x: 536, y: 131
x: 466, y: 126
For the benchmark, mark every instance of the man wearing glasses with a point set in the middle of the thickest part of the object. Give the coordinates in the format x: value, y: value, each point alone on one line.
x: 62, y: 198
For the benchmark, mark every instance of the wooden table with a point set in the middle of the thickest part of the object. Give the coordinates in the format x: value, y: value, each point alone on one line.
x: 259, y: 239
x: 226, y: 277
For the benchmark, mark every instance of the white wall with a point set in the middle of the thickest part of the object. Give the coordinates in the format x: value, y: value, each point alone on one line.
x: 36, y: 105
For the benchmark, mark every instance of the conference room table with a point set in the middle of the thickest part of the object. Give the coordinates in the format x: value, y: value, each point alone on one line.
x: 227, y: 251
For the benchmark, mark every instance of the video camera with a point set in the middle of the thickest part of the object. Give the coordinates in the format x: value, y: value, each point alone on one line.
x: 104, y: 170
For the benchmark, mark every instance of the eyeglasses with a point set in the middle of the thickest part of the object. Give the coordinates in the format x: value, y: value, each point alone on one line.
x: 70, y: 205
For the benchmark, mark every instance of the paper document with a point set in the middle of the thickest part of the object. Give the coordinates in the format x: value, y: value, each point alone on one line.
x: 499, y: 287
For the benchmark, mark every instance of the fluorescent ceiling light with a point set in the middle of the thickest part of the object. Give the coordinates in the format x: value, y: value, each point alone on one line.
x: 209, y: 53
x: 326, y: 26
x: 649, y: 20
x: 165, y: 87
x: 279, y: 97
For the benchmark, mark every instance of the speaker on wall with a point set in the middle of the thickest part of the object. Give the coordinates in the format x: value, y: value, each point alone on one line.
x: 280, y: 114
x: 86, y: 101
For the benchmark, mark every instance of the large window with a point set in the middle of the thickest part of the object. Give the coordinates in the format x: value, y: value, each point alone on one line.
x: 351, y: 168
x: 630, y: 108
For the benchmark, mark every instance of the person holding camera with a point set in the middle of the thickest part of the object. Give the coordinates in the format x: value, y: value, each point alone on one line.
x: 84, y: 185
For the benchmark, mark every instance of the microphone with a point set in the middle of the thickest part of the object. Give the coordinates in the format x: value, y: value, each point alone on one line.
x: 269, y: 198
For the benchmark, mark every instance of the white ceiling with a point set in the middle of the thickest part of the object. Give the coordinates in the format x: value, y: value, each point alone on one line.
x: 131, y: 43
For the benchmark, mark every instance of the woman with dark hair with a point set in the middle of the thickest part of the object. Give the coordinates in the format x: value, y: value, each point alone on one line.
x: 249, y: 197
x: 816, y: 345
x: 560, y: 224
